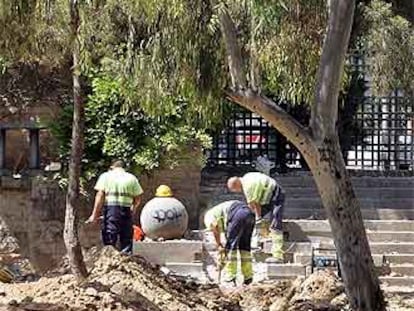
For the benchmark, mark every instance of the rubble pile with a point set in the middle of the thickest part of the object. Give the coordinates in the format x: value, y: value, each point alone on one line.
x: 116, y: 282
x: 120, y: 282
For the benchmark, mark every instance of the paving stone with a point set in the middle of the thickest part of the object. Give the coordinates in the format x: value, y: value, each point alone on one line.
x: 193, y: 269
x: 283, y: 270
x: 169, y: 251
x: 397, y: 280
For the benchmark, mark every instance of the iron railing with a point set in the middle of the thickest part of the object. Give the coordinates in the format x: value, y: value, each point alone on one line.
x: 383, y: 138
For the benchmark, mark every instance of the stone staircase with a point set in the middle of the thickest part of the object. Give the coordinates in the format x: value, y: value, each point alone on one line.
x: 391, y: 242
x: 390, y: 198
x: 387, y: 205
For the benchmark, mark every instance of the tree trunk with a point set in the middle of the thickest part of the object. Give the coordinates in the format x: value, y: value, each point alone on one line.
x: 70, y: 234
x: 319, y: 145
x: 344, y: 214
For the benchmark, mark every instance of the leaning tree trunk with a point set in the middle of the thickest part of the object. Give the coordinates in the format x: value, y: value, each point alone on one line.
x: 319, y: 145
x: 344, y: 214
x: 70, y: 234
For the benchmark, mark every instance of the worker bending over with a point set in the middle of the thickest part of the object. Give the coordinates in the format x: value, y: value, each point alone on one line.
x: 236, y: 220
x: 266, y: 198
x: 118, y: 197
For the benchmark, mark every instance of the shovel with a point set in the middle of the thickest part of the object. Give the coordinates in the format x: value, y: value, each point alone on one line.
x: 221, y: 262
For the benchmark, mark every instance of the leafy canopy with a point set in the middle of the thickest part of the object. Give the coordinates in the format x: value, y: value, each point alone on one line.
x: 143, y: 142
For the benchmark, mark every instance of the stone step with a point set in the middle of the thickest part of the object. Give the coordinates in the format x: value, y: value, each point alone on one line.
x: 372, y: 214
x: 285, y: 270
x: 376, y: 248
x: 385, y: 248
x: 308, y: 181
x: 322, y: 226
x: 402, y: 269
x: 370, y: 203
x: 169, y: 251
x: 362, y: 193
x: 193, y: 269
x: 380, y: 236
x: 397, y: 280
x: 393, y: 259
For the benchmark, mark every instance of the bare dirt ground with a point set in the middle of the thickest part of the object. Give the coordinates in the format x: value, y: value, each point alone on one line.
x: 119, y: 282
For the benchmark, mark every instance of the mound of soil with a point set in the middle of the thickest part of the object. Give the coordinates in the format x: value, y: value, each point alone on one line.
x: 116, y: 282
x: 119, y: 282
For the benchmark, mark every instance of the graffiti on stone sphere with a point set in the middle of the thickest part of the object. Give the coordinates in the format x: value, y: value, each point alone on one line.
x: 171, y: 214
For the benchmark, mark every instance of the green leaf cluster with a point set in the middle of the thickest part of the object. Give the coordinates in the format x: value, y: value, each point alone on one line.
x: 142, y: 141
x: 389, y: 44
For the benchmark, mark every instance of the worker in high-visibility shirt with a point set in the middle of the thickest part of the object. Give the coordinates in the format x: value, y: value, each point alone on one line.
x: 266, y: 198
x: 117, y: 198
x: 236, y: 220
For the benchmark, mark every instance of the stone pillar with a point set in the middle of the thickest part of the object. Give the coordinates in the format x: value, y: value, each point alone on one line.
x: 2, y: 149
x: 34, y: 162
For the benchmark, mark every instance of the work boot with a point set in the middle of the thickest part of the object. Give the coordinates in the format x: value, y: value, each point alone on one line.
x: 277, y: 246
x: 248, y: 282
x: 230, y: 282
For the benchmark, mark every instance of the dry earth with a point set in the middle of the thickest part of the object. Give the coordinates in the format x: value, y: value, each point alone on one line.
x: 119, y: 282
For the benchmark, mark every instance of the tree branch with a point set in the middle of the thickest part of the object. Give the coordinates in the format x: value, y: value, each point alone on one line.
x: 324, y: 113
x: 244, y: 96
x: 278, y: 117
x: 234, y: 55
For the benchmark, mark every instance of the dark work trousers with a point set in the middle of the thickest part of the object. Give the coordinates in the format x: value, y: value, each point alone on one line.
x: 117, y: 225
x: 240, y: 225
x: 274, y: 210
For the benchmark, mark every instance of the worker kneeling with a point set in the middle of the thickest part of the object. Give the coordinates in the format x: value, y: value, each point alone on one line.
x: 237, y: 221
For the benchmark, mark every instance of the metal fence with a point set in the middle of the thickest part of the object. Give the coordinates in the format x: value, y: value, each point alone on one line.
x: 245, y: 136
x: 382, y: 138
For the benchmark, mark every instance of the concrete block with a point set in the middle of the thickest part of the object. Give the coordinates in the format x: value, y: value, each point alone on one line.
x: 389, y: 225
x: 285, y: 270
x: 392, y: 247
x: 169, y: 251
x: 289, y: 247
x: 403, y: 269
x: 389, y: 213
x: 314, y: 203
x: 357, y: 182
x: 10, y: 183
x: 322, y: 227
x: 397, y: 280
x: 193, y: 269
x: 393, y: 259
x: 390, y: 236
x: 373, y: 237
x: 399, y: 258
x: 385, y: 247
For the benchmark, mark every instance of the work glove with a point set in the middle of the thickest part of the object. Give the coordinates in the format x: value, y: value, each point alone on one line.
x: 261, y: 228
x: 221, y: 255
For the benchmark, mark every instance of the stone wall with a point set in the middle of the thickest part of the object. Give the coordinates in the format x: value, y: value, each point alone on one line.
x: 32, y: 213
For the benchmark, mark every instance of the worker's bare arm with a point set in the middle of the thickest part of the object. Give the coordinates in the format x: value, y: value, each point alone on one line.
x: 135, y: 204
x: 216, y: 233
x: 97, y: 208
x: 256, y: 208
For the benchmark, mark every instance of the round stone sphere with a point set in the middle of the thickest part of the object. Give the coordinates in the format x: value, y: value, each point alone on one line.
x: 164, y: 217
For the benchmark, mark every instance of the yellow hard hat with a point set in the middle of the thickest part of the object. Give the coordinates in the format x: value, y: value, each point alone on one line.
x: 163, y: 191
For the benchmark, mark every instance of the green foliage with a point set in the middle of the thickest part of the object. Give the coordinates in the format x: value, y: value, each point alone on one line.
x: 142, y: 141
x: 289, y: 40
x: 162, y: 55
x: 35, y: 30
x: 389, y: 43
